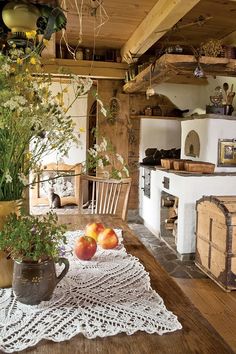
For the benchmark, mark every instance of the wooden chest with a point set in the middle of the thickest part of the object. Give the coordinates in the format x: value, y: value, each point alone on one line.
x: 216, y: 239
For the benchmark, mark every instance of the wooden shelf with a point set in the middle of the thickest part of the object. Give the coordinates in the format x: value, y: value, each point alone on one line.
x: 95, y: 69
x: 178, y: 68
x: 155, y: 117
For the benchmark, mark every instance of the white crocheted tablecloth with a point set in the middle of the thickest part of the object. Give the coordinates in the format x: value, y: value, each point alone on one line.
x: 107, y: 295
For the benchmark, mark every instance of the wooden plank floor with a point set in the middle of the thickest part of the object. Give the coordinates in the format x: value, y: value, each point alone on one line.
x: 216, y: 305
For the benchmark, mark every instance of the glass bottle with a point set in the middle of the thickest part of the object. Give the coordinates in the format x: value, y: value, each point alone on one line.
x: 79, y: 54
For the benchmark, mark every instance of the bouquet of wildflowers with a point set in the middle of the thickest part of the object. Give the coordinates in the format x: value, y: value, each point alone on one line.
x: 33, y: 121
x: 104, y: 157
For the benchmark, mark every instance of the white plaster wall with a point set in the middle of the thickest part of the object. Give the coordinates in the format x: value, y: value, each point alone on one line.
x: 78, y: 112
x: 188, y: 190
x: 201, y: 127
x: 183, y: 96
x: 160, y: 134
x: 209, y: 131
x: 194, y: 96
x: 150, y: 207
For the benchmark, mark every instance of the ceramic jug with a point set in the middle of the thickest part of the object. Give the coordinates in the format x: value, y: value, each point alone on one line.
x: 35, y: 282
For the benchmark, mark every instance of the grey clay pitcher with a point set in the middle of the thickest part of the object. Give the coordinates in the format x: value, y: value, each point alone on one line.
x: 35, y: 282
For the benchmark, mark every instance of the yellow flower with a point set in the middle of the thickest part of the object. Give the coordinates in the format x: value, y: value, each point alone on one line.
x: 33, y: 61
x: 31, y: 34
x: 45, y: 42
x: 82, y: 130
x: 59, y: 98
x: 28, y: 155
x: 19, y: 61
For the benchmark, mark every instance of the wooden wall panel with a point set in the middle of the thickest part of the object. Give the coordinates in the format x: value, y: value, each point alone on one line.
x: 124, y: 133
x: 115, y: 130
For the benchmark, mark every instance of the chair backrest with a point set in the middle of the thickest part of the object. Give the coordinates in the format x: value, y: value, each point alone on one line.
x: 107, y: 196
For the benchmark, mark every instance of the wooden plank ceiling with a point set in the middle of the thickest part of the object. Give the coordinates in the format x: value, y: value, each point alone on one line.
x: 134, y: 26
x: 137, y: 27
x: 125, y: 17
x: 220, y: 15
x: 131, y: 26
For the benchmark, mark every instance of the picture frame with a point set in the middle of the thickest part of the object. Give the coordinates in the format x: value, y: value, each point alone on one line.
x: 63, y: 178
x: 227, y: 152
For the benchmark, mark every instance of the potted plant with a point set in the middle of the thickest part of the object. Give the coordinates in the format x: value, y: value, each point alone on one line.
x: 34, y: 243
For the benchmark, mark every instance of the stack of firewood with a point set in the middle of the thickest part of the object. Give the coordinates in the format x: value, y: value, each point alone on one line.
x: 171, y: 221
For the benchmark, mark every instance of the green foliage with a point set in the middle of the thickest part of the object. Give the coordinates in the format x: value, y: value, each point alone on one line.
x: 32, y: 238
x: 33, y: 120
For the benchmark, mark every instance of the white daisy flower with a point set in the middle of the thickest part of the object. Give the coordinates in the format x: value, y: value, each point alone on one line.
x: 126, y: 171
x: 23, y: 179
x: 120, y: 158
x: 106, y: 174
x: 92, y: 152
x: 97, y: 147
x: 100, y: 163
x: 104, y: 111
x: 8, y: 177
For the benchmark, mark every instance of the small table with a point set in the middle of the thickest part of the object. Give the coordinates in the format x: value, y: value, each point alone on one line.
x: 197, y: 334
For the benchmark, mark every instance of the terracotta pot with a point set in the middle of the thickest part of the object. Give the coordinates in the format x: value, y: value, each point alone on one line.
x: 35, y: 282
x: 6, y: 265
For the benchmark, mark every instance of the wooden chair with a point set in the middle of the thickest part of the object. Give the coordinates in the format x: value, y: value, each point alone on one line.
x: 108, y: 196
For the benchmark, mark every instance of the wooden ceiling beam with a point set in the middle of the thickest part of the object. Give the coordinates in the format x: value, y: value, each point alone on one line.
x: 230, y: 39
x: 162, y: 17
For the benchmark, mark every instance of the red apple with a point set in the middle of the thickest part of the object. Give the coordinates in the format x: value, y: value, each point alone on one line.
x: 93, y: 229
x: 85, y: 247
x: 108, y: 239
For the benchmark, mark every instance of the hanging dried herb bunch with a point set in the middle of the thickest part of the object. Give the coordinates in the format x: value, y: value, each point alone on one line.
x: 212, y: 48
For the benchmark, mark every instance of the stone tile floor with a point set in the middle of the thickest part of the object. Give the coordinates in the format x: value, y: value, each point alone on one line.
x: 166, y: 256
